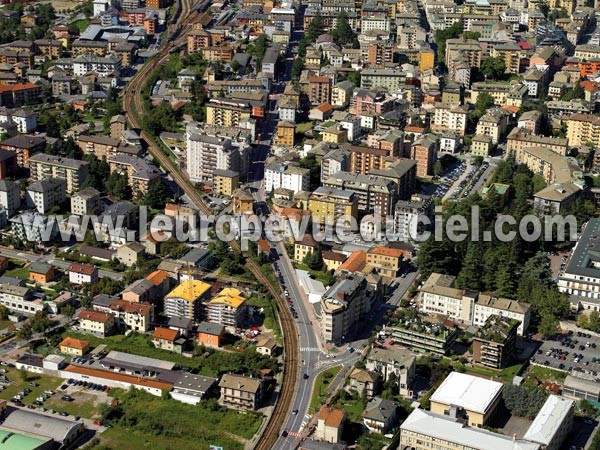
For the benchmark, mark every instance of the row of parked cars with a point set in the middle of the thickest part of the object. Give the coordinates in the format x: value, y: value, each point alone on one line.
x: 88, y: 385
x: 286, y: 293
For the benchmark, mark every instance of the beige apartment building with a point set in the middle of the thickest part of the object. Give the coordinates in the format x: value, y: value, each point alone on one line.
x: 438, y: 296
x: 227, y: 113
x: 552, y: 167
x: 493, y: 124
x: 504, y: 94
x: 327, y: 205
x: 450, y: 118
x: 240, y: 392
x: 519, y: 140
x: 479, y: 398
x: 44, y: 166
x: 583, y: 129
x: 469, y: 49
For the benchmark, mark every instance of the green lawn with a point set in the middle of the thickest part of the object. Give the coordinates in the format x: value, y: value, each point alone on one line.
x: 45, y: 382
x: 545, y: 374
x: 319, y: 393
x: 303, y: 127
x: 506, y: 374
x: 84, y: 405
x: 353, y: 407
x: 82, y: 24
x: 145, y: 421
x: 18, y: 272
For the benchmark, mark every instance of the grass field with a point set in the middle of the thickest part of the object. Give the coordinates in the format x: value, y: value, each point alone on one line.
x: 82, y: 24
x: 85, y: 404
x: 320, y: 388
x: 46, y: 383
x: 18, y: 272
x: 145, y: 421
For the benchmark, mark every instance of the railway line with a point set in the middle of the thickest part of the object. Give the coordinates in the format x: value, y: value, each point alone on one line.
x: 133, y: 106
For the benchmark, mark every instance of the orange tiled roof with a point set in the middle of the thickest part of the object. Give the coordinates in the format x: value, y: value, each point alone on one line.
x: 333, y: 417
x: 157, y: 277
x: 355, y: 263
x: 70, y: 342
x: 165, y: 333
x: 386, y: 251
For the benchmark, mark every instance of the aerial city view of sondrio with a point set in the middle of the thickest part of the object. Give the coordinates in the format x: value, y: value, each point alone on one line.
x: 300, y: 224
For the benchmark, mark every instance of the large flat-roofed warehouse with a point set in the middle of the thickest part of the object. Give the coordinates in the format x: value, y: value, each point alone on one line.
x: 61, y: 431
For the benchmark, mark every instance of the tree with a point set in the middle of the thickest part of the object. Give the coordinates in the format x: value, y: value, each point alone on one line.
x: 342, y: 32
x: 310, y: 162
x: 313, y: 260
x: 23, y: 375
x: 549, y: 325
x: 68, y: 311
x: 441, y: 36
x: 493, y: 67
x: 523, y: 401
x: 158, y: 194
x: 4, y: 312
x: 576, y: 93
x: 470, y: 275
x: 25, y: 332
x: 471, y: 35
x: 173, y: 248
x: 235, y: 66
x: 438, y: 168
x: 316, y: 28
x: 297, y: 67
x: 117, y: 185
x: 40, y: 322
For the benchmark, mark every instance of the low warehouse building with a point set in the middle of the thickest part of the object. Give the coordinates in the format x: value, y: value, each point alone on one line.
x: 61, y: 431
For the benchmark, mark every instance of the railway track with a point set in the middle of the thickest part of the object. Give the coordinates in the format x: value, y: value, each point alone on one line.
x: 133, y: 105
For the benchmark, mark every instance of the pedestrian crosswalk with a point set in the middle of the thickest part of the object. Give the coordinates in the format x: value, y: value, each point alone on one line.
x: 294, y: 434
x: 310, y: 349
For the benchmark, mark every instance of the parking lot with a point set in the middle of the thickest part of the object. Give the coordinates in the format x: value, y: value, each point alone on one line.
x: 448, y: 180
x: 216, y: 202
x: 575, y: 351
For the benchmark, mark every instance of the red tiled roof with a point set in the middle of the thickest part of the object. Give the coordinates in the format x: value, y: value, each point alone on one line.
x: 386, y: 251
x: 130, y: 307
x: 165, y: 333
x: 86, y: 269
x: 333, y: 417
x: 355, y: 263
x: 95, y: 316
x: 17, y: 87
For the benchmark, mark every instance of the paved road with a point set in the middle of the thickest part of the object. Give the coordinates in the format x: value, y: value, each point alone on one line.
x: 31, y: 257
